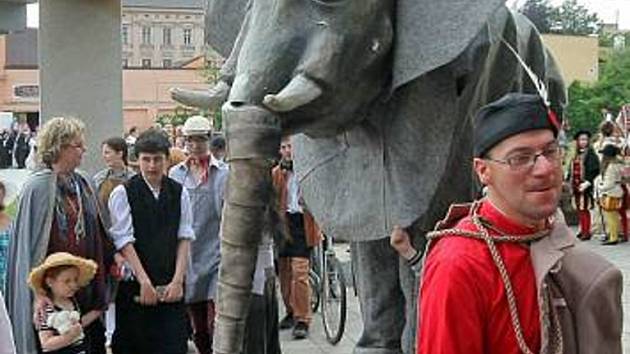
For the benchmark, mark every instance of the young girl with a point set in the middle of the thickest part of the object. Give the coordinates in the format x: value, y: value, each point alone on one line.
x: 58, y: 278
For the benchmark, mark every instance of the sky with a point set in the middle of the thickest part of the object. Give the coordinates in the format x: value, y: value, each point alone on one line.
x: 608, y: 10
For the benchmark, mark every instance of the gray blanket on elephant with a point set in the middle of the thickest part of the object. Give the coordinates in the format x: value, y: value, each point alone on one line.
x: 401, y: 165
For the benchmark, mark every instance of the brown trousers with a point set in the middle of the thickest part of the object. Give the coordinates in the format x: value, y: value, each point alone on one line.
x: 295, y: 287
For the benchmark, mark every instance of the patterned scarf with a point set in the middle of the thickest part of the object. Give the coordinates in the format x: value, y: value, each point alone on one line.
x: 86, y: 210
x: 203, y: 163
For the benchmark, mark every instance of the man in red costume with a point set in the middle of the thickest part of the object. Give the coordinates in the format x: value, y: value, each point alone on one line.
x: 504, y: 274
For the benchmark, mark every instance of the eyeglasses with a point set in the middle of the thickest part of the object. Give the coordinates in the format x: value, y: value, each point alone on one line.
x: 526, y: 160
x: 78, y: 146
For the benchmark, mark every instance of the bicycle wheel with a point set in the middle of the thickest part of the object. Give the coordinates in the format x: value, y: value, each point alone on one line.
x: 315, y: 283
x: 334, y: 309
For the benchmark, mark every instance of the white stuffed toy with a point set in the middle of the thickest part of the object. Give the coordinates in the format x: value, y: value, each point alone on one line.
x: 61, y: 321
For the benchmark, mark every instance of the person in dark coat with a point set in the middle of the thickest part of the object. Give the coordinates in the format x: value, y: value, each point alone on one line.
x: 584, y: 168
x: 5, y: 152
x: 22, y: 147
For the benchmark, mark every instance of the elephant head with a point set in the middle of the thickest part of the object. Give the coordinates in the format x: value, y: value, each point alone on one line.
x: 318, y: 64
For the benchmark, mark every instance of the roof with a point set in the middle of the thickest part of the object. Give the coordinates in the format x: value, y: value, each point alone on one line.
x: 184, y: 4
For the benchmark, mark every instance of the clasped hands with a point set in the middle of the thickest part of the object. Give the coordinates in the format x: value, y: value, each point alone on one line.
x: 151, y: 296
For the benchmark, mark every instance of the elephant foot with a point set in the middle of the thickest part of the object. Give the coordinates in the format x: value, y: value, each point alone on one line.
x: 205, y: 99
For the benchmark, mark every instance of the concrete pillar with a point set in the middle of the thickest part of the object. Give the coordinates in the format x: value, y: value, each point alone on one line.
x: 80, y: 68
x: 12, y: 16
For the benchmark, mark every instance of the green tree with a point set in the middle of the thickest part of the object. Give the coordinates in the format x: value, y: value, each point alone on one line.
x: 540, y: 13
x: 574, y: 19
x: 612, y: 91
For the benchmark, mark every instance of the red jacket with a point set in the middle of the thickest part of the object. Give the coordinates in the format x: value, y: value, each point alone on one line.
x: 463, y: 307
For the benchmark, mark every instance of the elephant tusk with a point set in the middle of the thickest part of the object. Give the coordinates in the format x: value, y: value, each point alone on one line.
x: 300, y: 91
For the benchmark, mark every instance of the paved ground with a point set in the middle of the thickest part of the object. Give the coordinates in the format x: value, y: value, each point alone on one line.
x: 317, y: 344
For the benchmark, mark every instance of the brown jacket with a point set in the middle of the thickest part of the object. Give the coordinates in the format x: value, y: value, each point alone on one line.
x: 311, y: 230
x: 585, y: 287
x: 587, y: 293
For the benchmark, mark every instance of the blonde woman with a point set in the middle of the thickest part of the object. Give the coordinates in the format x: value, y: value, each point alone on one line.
x: 57, y: 212
x: 610, y: 192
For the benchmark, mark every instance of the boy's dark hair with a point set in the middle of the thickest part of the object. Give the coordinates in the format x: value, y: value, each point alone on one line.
x: 117, y: 144
x: 133, y: 130
x: 217, y: 142
x: 152, y: 141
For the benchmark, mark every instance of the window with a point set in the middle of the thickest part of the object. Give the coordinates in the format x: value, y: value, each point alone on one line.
x: 125, y: 63
x: 146, y: 63
x: 166, y: 36
x: 125, y: 34
x: 146, y: 35
x: 187, y: 36
x: 167, y: 63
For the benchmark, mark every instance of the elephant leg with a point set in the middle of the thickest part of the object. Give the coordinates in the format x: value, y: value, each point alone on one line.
x: 253, y: 138
x: 376, y: 267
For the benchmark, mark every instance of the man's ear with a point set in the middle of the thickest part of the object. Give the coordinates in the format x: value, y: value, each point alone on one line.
x: 482, y: 170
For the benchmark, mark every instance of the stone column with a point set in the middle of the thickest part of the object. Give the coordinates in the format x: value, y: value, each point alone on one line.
x: 81, y: 68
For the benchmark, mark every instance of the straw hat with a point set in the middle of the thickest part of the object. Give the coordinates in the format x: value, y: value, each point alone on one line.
x: 87, y: 269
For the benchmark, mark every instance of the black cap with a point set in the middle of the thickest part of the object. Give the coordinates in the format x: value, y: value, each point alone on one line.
x: 610, y: 150
x: 580, y: 133
x: 512, y: 114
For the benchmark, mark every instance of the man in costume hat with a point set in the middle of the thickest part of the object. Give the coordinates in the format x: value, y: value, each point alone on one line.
x: 204, y: 178
x: 583, y: 170
x: 504, y: 274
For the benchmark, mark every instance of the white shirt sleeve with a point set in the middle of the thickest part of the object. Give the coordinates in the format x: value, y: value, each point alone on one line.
x: 185, y: 231
x: 121, y: 230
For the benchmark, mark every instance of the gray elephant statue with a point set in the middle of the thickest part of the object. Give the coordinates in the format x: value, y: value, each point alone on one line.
x: 379, y: 95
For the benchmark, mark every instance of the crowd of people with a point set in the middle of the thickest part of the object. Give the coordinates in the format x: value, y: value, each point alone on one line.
x: 17, y: 147
x: 597, y: 177
x: 128, y: 258
x: 130, y: 255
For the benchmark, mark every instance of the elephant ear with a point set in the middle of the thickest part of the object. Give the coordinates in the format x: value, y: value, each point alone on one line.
x: 431, y: 33
x: 223, y: 22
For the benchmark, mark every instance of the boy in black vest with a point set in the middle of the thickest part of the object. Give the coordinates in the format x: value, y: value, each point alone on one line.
x: 152, y: 228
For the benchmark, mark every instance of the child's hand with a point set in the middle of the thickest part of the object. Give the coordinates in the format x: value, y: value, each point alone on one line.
x: 74, y: 331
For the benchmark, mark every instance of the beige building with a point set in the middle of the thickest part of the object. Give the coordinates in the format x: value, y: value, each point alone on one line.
x: 145, y: 90
x: 577, y: 56
x: 161, y: 33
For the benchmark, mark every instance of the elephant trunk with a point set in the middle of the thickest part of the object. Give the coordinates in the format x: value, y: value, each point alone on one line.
x: 253, y: 136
